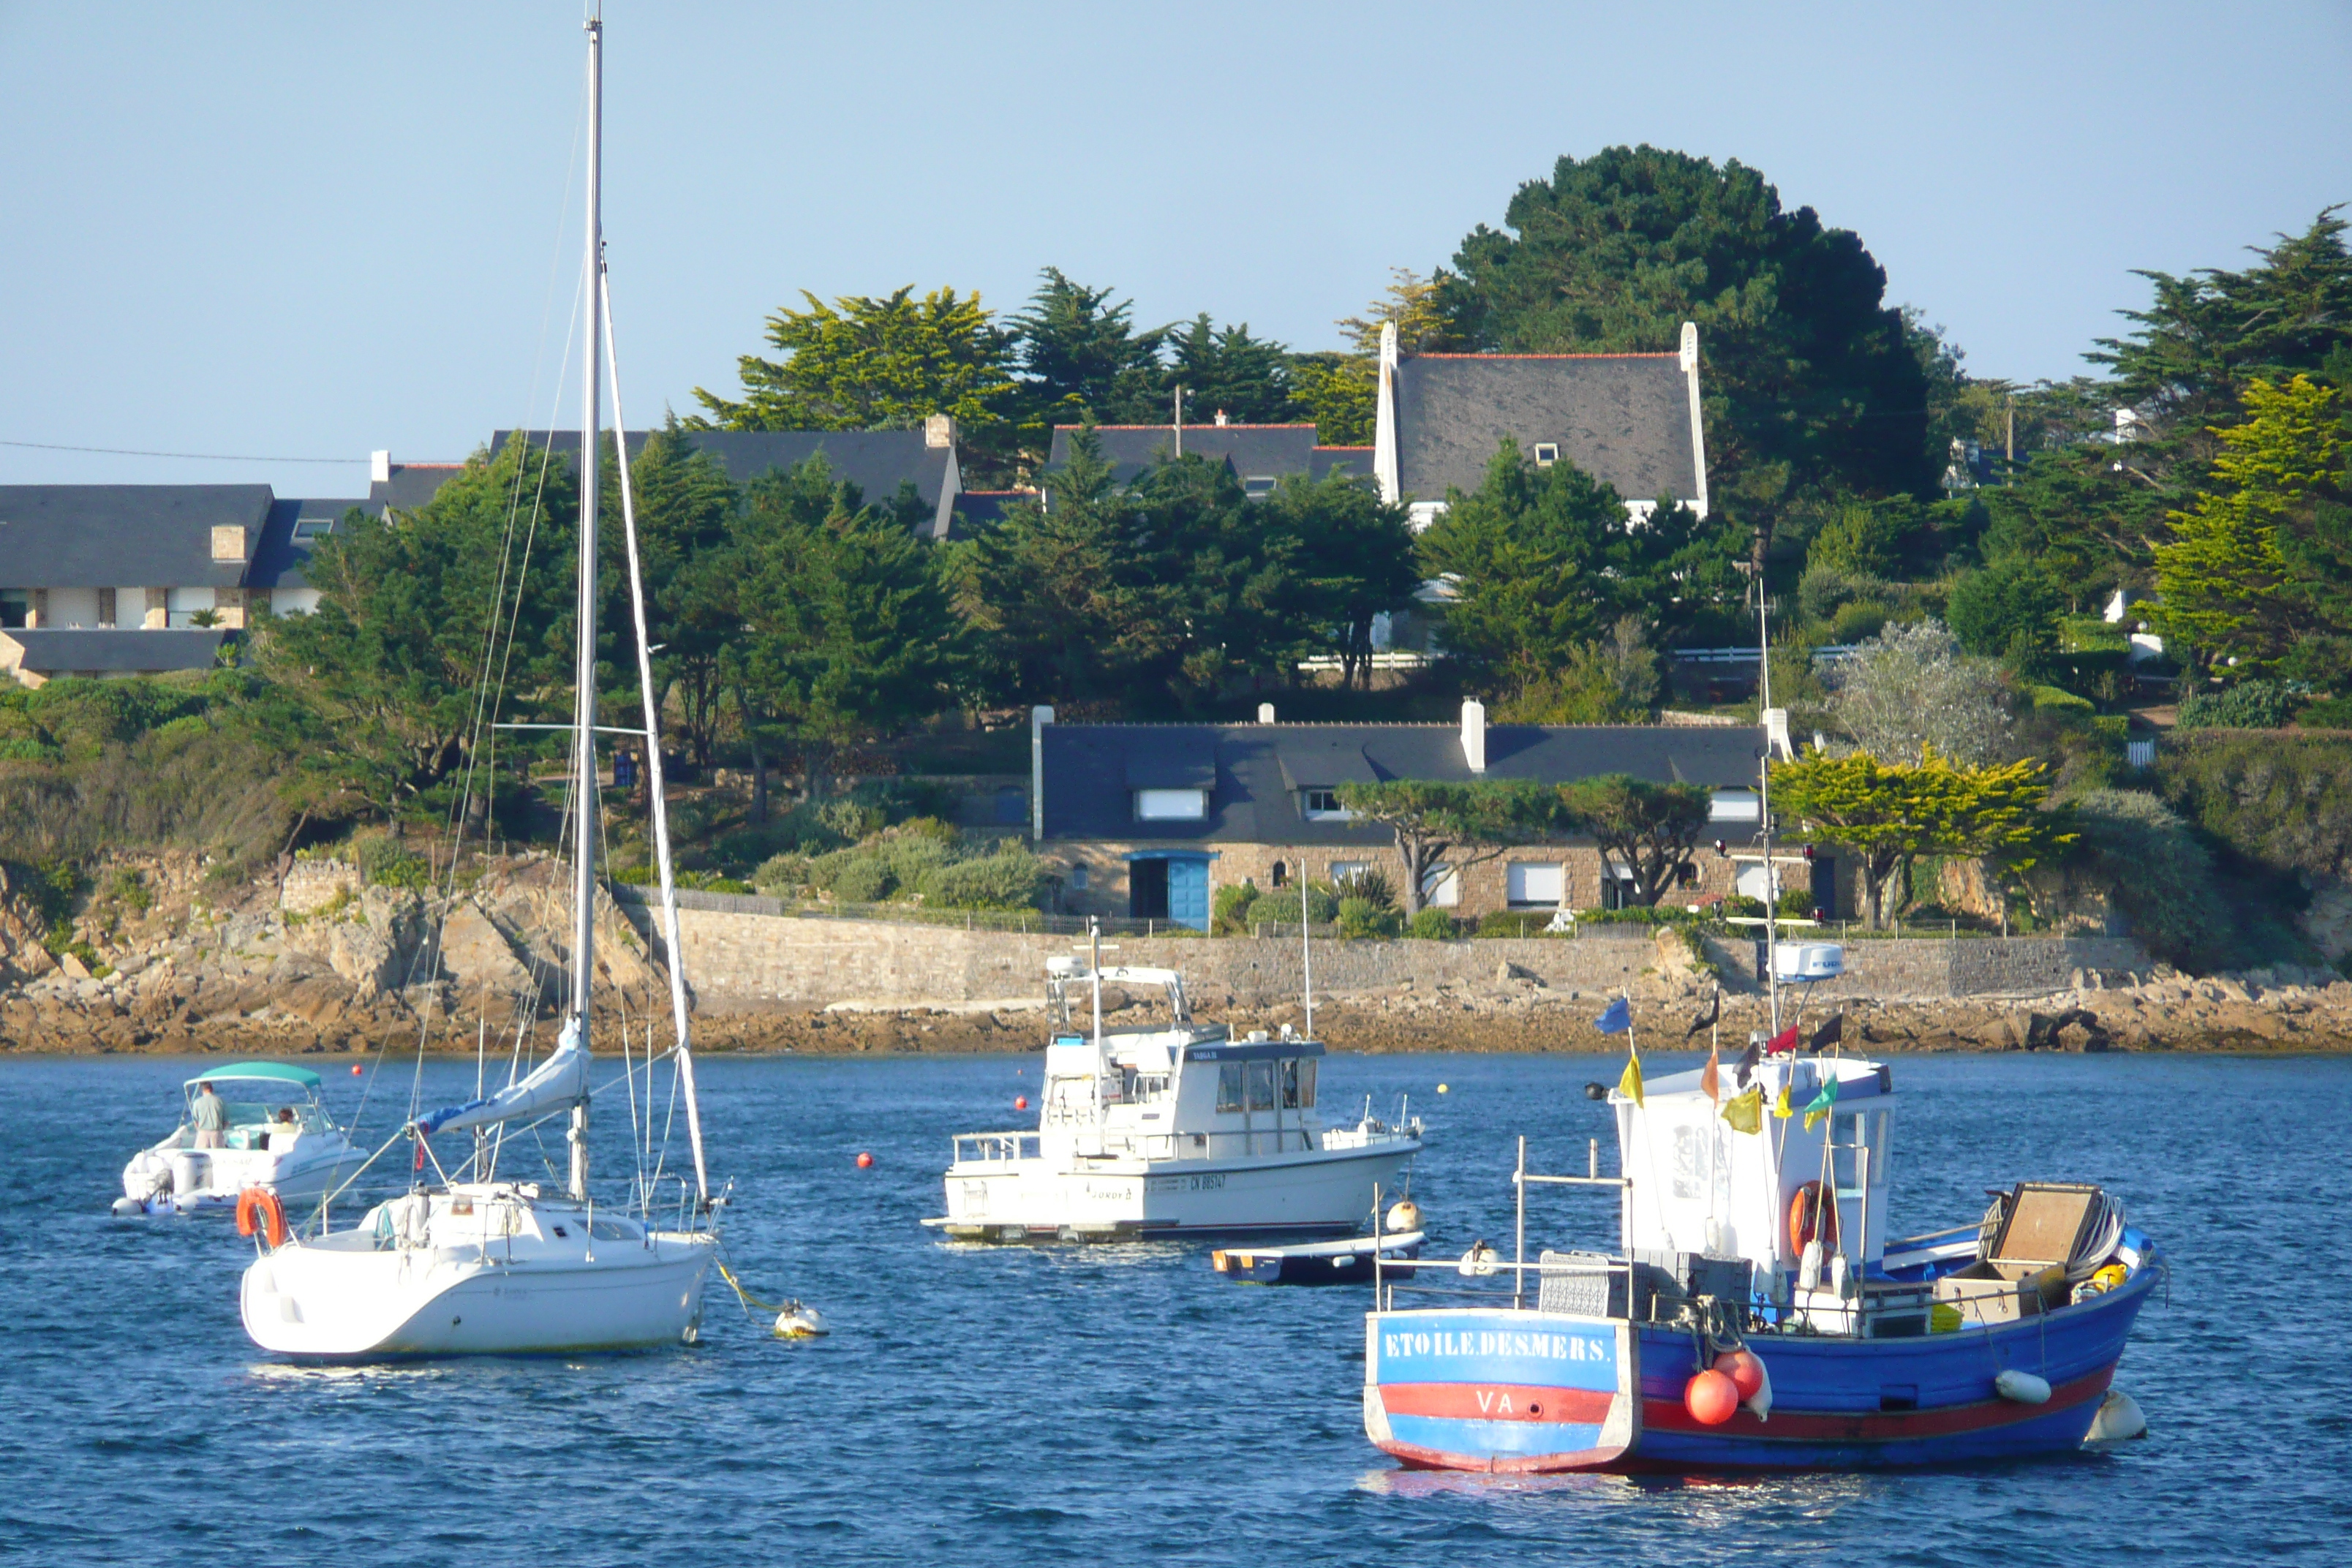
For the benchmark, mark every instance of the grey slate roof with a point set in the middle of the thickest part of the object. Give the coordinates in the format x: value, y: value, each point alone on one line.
x: 113, y: 652
x: 1356, y: 460
x: 411, y: 485
x: 877, y: 461
x: 1251, y: 451
x: 1624, y: 419
x: 279, y: 561
x: 97, y: 536
x: 1254, y: 771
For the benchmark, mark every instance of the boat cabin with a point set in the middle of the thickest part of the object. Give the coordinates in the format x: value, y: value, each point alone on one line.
x: 1698, y: 1185
x: 1175, y: 1089
x: 265, y: 1105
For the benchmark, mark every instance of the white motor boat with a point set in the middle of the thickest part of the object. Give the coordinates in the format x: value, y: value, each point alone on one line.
x: 276, y: 1135
x: 470, y: 1263
x: 1172, y: 1130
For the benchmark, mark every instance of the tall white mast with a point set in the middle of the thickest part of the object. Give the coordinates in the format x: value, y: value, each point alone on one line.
x: 1764, y: 803
x: 653, y: 756
x: 583, y: 705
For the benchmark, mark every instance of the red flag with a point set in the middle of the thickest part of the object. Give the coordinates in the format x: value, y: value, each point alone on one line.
x: 1709, y: 1084
x: 1786, y: 1040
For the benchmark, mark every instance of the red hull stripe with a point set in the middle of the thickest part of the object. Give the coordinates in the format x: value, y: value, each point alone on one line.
x: 1497, y: 1402
x: 1417, y: 1457
x: 1889, y: 1426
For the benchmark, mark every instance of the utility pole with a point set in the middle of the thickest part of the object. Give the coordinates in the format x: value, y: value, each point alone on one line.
x: 2009, y: 477
x: 1179, y: 421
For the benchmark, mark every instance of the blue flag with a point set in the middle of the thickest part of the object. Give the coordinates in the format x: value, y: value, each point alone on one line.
x: 1616, y: 1020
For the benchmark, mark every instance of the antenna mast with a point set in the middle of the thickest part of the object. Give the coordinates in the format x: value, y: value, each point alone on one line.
x: 584, y: 702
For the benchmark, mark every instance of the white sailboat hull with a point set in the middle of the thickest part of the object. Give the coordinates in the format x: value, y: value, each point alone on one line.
x: 1311, y: 1193
x: 332, y: 1300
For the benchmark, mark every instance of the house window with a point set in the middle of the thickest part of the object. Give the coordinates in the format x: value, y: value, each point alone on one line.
x: 15, y: 607
x: 1536, y: 884
x: 1686, y: 875
x: 1257, y: 487
x: 307, y: 529
x: 1346, y: 871
x: 1441, y: 888
x: 1170, y: 805
x: 1323, y: 806
x: 1279, y: 874
x: 1547, y: 454
x: 1733, y: 805
x: 1077, y: 879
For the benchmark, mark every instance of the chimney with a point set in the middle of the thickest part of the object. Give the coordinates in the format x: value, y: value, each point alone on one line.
x: 1266, y: 712
x: 1039, y: 718
x: 1221, y: 416
x: 379, y: 467
x: 1473, y: 735
x: 939, y: 430
x: 1776, y: 734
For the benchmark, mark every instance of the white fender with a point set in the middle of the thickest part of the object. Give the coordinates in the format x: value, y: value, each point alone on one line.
x: 1760, y: 1402
x: 2119, y: 1419
x: 2023, y: 1387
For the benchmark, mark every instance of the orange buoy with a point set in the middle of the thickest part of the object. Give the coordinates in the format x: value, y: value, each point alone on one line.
x: 865, y: 1161
x: 1811, y: 1215
x: 1711, y: 1398
x: 257, y: 1208
x: 1020, y: 1103
x: 1747, y: 1372
x: 355, y: 1069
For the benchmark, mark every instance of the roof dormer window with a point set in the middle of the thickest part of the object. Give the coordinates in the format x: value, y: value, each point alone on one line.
x: 1170, y: 805
x: 1323, y: 806
x: 1257, y: 487
x: 1547, y: 454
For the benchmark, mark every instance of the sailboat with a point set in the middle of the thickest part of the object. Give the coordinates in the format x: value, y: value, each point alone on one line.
x: 473, y: 1263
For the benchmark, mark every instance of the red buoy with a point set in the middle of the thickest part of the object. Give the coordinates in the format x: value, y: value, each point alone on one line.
x: 1711, y: 1398
x: 1747, y: 1374
x: 1020, y: 1103
x: 355, y: 1069
x: 865, y: 1161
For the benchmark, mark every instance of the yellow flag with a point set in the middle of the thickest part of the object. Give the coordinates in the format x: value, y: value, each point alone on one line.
x: 1630, y: 1084
x: 1746, y: 1111
x: 1780, y: 1106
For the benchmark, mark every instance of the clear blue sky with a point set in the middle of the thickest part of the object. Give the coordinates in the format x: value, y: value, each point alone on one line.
x: 310, y: 231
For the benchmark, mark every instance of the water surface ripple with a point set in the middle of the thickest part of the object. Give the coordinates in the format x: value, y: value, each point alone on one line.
x: 981, y: 1407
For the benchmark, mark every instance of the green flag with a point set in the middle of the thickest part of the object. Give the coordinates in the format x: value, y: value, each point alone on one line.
x: 1823, y: 1103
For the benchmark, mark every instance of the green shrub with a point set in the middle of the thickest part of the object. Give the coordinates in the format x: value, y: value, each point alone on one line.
x: 1361, y: 918
x: 1371, y: 885
x: 2250, y: 705
x: 1514, y: 923
x: 1431, y: 925
x: 858, y: 879
x: 27, y: 748
x: 781, y: 875
x: 2161, y: 876
x: 386, y: 862
x: 2054, y: 699
x: 1229, y: 911
x: 2327, y: 713
x: 1282, y: 908
x: 1011, y: 878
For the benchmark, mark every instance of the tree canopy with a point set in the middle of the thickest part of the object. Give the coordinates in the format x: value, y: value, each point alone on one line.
x: 1811, y: 381
x: 1441, y: 826
x: 873, y: 362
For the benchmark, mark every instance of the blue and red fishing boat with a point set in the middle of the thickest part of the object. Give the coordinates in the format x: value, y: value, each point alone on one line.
x: 1754, y: 1316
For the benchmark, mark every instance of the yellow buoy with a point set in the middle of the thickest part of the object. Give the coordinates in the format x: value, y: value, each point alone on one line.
x: 1441, y: 1088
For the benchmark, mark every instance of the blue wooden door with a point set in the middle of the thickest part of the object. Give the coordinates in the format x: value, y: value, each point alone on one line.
x: 1187, y: 892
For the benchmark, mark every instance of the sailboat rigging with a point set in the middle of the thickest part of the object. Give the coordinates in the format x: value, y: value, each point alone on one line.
x: 478, y: 1264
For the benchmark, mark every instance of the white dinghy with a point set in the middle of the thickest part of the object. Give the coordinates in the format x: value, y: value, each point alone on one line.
x: 473, y: 1263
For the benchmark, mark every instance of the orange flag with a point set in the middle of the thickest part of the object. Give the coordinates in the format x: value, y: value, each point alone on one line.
x: 1709, y: 1084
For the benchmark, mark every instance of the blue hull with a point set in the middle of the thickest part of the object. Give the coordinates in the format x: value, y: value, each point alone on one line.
x: 1504, y: 1390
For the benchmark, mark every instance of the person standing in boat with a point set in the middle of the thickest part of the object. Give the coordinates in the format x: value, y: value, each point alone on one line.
x: 211, y: 1116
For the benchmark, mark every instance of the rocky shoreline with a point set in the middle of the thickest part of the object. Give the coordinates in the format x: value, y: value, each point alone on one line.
x: 309, y: 961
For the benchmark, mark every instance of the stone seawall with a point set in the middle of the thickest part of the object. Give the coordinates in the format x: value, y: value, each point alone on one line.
x: 752, y: 962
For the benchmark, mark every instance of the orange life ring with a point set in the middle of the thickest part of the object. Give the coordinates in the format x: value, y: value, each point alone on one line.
x: 1809, y: 1217
x: 257, y: 1208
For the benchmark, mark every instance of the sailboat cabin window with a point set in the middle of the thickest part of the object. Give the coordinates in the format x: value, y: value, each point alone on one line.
x: 1261, y: 1086
x: 1229, y: 1086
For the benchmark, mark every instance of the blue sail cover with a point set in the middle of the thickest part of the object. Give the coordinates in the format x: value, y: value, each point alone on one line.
x: 556, y: 1082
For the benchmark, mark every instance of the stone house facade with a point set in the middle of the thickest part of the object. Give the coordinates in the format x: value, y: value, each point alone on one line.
x: 1149, y: 821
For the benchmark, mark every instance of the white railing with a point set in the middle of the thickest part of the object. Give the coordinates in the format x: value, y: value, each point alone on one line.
x: 994, y: 1148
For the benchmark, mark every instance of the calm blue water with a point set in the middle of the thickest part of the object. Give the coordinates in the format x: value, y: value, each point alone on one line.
x: 977, y: 1408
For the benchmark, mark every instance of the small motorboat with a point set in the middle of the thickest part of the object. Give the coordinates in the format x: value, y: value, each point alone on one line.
x: 1348, y: 1261
x: 276, y: 1135
x: 1172, y: 1130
